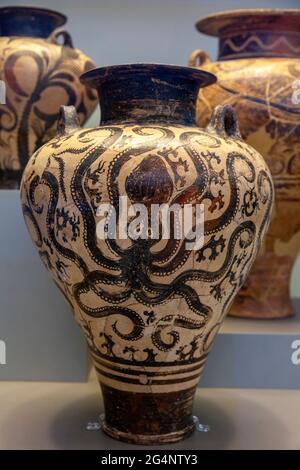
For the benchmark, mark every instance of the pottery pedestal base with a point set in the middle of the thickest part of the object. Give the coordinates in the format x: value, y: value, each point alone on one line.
x: 148, y: 419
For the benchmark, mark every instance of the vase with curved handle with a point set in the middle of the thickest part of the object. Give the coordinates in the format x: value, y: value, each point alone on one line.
x: 39, y: 72
x: 149, y: 291
x: 258, y: 71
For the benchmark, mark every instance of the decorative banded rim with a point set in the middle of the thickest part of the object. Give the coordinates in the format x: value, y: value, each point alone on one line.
x: 218, y: 23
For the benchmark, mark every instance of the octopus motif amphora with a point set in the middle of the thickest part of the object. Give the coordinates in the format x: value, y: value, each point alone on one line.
x: 149, y: 306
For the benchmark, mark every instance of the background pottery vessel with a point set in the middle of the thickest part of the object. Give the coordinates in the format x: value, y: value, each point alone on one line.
x: 38, y: 75
x: 149, y: 308
x: 258, y: 72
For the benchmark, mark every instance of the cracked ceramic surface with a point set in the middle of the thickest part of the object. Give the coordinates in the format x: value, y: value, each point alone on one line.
x: 150, y: 309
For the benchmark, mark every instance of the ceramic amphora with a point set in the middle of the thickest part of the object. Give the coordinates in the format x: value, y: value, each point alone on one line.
x: 258, y: 70
x: 39, y: 71
x: 149, y: 302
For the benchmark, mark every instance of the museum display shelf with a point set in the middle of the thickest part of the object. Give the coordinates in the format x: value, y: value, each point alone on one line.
x: 55, y: 415
x: 256, y: 354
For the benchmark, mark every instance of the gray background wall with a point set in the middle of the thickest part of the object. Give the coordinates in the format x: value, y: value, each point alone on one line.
x: 122, y: 31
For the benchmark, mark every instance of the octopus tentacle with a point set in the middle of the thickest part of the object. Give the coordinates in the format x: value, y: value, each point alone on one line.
x: 83, y: 205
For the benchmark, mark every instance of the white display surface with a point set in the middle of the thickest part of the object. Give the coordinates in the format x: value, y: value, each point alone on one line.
x: 54, y: 416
